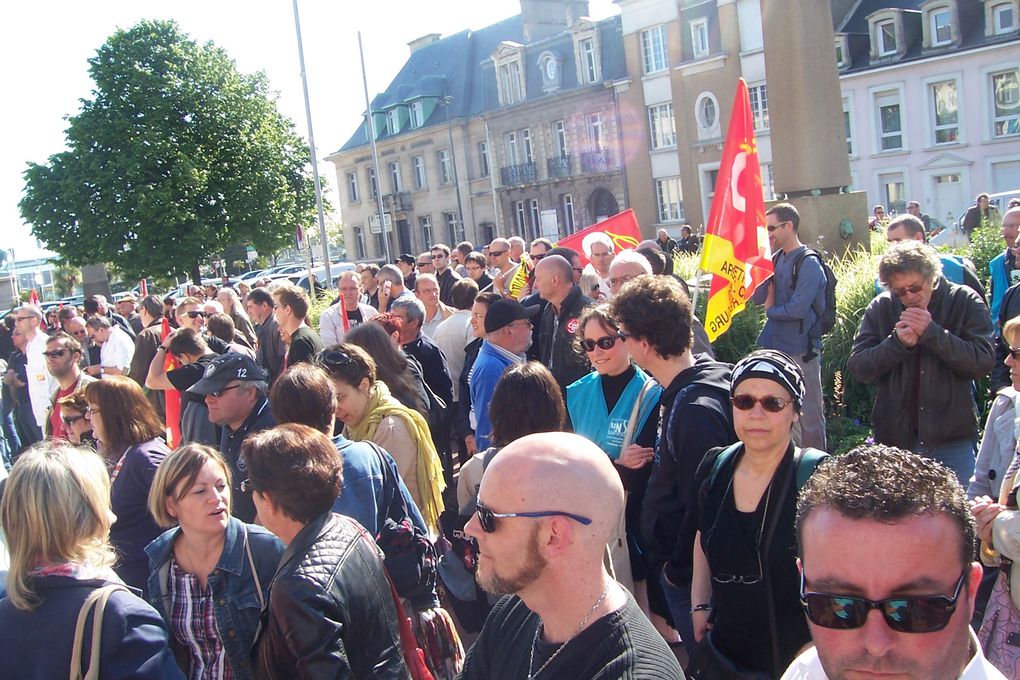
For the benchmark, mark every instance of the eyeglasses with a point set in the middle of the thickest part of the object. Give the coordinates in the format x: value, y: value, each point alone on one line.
x: 741, y: 579
x: 1015, y: 353
x: 497, y: 253
x: 440, y: 256
x: 538, y: 257
x: 246, y: 486
x: 913, y: 290
x: 618, y: 281
x: 606, y: 342
x: 521, y: 325
x: 335, y: 358
x: 23, y: 318
x: 195, y: 315
x: 219, y: 393
x: 919, y: 614
x: 487, y: 518
x: 773, y: 227
x: 624, y: 336
x: 55, y: 354
x: 91, y: 411
x: 745, y: 402
x: 68, y: 421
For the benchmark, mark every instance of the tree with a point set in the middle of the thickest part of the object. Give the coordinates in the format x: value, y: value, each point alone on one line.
x: 176, y: 156
x: 65, y: 278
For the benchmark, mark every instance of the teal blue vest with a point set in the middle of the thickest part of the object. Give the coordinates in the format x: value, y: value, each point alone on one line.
x: 587, y: 407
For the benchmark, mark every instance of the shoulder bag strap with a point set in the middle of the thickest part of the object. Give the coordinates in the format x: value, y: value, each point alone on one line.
x: 254, y: 573
x: 635, y: 415
x: 764, y: 555
x: 96, y: 600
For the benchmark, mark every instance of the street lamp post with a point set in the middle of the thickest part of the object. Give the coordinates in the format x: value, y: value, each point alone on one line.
x: 447, y: 100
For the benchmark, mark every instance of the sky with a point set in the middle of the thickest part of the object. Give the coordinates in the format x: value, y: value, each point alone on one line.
x: 45, y: 45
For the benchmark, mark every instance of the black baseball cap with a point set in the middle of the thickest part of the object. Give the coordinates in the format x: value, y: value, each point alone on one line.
x: 225, y: 369
x: 505, y: 311
x: 405, y: 258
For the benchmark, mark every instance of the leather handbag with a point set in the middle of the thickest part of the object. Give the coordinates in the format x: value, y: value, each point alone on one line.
x: 96, y: 601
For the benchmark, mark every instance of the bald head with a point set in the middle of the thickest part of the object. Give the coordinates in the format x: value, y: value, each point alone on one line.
x: 561, y: 472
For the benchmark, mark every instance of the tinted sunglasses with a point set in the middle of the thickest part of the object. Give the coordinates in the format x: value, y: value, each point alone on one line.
x: 606, y: 342
x: 919, y: 614
x: 68, y: 421
x: 773, y: 227
x: 335, y: 358
x: 55, y: 354
x: 913, y: 290
x: 487, y: 518
x: 497, y: 253
x: 745, y: 402
x: 195, y: 315
x: 1015, y: 353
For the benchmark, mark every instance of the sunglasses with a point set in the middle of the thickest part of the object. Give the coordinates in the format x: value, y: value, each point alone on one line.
x: 195, y: 315
x: 1015, y: 353
x: 921, y: 614
x: 487, y: 518
x: 55, y: 354
x: 745, y: 402
x: 68, y: 421
x: 606, y: 342
x: 335, y: 358
x: 773, y: 227
x: 438, y: 257
x: 219, y: 393
x: 913, y: 290
x: 497, y: 253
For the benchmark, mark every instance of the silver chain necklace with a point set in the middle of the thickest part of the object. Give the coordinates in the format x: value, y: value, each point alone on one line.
x: 534, y: 643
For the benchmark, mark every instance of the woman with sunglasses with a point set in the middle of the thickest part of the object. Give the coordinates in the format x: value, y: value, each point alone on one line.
x: 745, y: 590
x: 616, y: 407
x: 130, y: 439
x: 209, y: 572
x: 369, y: 413
x: 77, y: 426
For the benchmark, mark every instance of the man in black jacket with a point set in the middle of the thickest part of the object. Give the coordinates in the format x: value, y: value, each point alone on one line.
x: 271, y: 348
x: 554, y: 281
x: 696, y: 417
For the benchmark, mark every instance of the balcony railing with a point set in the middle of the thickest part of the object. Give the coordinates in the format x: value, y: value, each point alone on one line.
x: 522, y: 173
x: 399, y: 201
x: 595, y: 161
x: 559, y: 166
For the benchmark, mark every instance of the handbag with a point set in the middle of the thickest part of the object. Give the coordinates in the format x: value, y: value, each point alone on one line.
x: 1000, y: 630
x: 96, y: 601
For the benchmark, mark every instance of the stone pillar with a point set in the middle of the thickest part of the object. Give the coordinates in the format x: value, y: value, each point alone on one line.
x: 809, y: 154
x: 95, y: 281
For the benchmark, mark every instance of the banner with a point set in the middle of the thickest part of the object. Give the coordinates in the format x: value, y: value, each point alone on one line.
x: 736, y: 248
x: 622, y: 228
x: 143, y: 288
x: 172, y: 397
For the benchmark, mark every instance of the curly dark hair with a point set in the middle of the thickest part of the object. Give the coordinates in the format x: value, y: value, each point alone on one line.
x: 526, y: 400
x: 886, y: 484
x: 655, y: 309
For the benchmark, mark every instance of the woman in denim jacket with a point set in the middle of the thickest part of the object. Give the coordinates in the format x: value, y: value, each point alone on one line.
x: 209, y: 576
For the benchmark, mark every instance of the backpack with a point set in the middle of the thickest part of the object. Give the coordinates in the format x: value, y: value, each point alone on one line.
x: 827, y: 315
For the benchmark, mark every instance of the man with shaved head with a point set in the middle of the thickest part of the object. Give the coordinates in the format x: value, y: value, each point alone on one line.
x: 554, y: 281
x: 503, y: 266
x: 547, y: 506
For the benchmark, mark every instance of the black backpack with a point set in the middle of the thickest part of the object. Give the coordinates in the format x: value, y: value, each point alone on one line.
x: 826, y: 316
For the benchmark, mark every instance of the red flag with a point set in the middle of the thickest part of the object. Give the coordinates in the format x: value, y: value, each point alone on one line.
x: 143, y: 288
x: 736, y: 249
x: 622, y: 228
x: 172, y: 397
x: 33, y: 298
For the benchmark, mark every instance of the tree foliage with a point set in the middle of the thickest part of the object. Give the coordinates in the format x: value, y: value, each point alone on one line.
x: 176, y: 156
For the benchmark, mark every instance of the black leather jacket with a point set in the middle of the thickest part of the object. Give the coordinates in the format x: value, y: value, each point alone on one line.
x: 556, y: 339
x: 331, y: 614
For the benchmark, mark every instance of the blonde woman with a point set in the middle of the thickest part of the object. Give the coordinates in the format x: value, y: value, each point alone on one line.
x: 56, y: 516
x: 210, y: 572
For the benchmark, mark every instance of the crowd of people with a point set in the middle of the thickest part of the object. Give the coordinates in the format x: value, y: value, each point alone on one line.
x: 515, y: 447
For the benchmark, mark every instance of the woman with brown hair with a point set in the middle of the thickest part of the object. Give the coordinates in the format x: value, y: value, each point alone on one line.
x: 401, y: 373
x: 129, y: 434
x: 77, y: 426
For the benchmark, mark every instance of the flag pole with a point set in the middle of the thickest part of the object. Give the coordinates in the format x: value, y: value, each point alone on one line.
x: 370, y: 128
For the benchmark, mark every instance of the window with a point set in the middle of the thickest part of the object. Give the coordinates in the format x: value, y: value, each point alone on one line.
x: 560, y: 133
x: 453, y: 227
x: 526, y: 141
x: 662, y: 126
x: 890, y: 124
x: 894, y: 192
x: 596, y: 135
x: 513, y: 156
x: 840, y: 63
x: 568, y: 212
x: 417, y: 115
x: 380, y: 242
x: 510, y: 82
x: 352, y: 187
x: 483, y: 158
x: 393, y: 121
x: 589, y: 61
x: 1003, y: 17
x: 768, y: 182
x: 359, y: 243
x: 1006, y: 103
x: 946, y: 123
x: 533, y: 211
x: 848, y: 127
x: 759, y: 107
x: 445, y: 173
x: 419, y: 172
x: 706, y: 113
x: 520, y: 217
x: 653, y: 49
x: 395, y: 177
x: 886, y: 38
x: 373, y: 188
x: 670, y: 200
x: 699, y: 38
x: 425, y: 222
x: 941, y: 30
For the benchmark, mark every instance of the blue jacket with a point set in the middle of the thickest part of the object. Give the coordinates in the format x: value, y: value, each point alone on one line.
x: 36, y: 645
x: 488, y: 369
x: 129, y: 500
x: 790, y: 319
x: 233, y: 587
x: 1000, y: 280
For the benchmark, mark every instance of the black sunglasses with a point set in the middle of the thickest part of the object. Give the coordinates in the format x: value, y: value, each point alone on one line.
x: 335, y: 358
x: 487, y: 518
x: 55, y: 354
x: 1014, y: 352
x: 195, y: 315
x: 919, y: 614
x: 71, y: 420
x: 745, y: 402
x: 606, y: 342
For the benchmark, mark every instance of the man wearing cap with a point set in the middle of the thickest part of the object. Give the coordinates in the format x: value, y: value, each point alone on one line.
x: 127, y: 308
x: 508, y: 327
x: 234, y: 387
x: 405, y: 263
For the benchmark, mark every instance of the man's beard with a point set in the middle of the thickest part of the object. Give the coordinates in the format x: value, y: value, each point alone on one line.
x: 533, y: 567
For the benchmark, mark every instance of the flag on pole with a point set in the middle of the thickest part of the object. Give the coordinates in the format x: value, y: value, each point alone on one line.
x: 33, y: 298
x: 172, y: 397
x: 622, y: 228
x: 736, y: 249
x: 143, y: 288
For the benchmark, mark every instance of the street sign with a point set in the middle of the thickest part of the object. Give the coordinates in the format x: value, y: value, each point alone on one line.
x: 373, y: 223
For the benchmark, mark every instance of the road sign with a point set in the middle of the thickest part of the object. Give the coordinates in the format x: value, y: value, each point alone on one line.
x: 373, y: 223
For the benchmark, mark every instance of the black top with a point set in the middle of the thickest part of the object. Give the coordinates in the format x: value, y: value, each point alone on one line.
x: 184, y: 377
x: 305, y: 345
x: 434, y: 366
x: 261, y: 418
x: 622, y: 645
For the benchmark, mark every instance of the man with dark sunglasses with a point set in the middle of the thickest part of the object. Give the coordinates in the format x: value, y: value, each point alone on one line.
x: 923, y: 342
x: 63, y: 354
x: 547, y: 506
x: 888, y: 578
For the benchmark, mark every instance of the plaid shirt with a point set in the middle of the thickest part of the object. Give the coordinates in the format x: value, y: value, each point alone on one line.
x: 193, y: 626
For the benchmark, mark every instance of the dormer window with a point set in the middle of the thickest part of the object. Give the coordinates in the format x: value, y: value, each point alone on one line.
x: 393, y: 121
x: 886, y: 31
x: 940, y: 24
x: 417, y: 115
x: 699, y: 38
x: 1001, y: 17
x: 842, y: 55
x: 941, y: 27
x: 509, y: 73
x: 586, y: 51
x: 589, y: 64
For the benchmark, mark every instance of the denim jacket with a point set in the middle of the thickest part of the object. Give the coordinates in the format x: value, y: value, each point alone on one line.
x: 238, y: 608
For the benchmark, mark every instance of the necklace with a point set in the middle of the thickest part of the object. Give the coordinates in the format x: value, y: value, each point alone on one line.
x: 534, y: 643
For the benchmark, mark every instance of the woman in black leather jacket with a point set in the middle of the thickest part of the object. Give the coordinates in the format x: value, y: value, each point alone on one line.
x: 330, y: 613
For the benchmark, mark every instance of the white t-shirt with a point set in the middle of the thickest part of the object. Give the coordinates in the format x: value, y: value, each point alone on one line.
x: 40, y: 383
x: 117, y: 351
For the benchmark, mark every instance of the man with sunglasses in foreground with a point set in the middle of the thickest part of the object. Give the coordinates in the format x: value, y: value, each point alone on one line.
x: 888, y: 582
x: 923, y: 342
x: 62, y: 355
x: 547, y: 505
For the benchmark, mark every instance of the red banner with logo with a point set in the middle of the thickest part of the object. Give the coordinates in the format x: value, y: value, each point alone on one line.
x: 736, y: 249
x: 622, y: 228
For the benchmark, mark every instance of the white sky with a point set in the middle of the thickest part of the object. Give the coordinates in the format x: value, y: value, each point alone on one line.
x: 45, y: 44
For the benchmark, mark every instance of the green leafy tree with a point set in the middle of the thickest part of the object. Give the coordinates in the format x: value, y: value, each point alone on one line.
x: 65, y: 278
x: 175, y: 157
